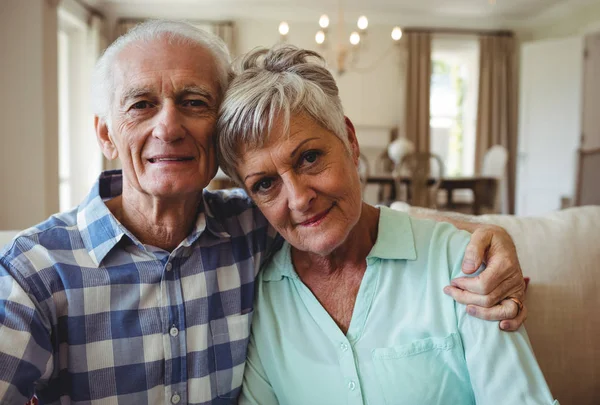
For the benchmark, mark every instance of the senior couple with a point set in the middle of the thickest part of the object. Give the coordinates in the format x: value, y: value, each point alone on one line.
x: 145, y: 293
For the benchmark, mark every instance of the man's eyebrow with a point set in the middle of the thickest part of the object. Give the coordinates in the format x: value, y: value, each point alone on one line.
x: 135, y: 92
x: 200, y: 91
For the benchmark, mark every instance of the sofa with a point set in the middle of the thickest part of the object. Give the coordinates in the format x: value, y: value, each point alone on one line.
x: 560, y: 253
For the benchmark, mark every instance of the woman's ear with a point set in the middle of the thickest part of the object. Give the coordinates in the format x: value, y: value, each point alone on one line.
x: 105, y: 141
x: 352, y: 141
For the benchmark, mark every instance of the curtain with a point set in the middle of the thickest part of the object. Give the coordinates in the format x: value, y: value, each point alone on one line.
x: 497, y: 109
x: 418, y: 80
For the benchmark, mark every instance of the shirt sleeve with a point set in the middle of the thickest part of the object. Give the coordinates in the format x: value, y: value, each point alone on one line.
x: 256, y: 389
x: 501, y: 364
x: 25, y: 344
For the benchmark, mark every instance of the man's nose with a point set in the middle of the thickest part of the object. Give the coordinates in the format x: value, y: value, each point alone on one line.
x: 169, y: 126
x: 300, y: 194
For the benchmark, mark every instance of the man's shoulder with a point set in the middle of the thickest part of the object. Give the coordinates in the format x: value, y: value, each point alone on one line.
x: 34, y: 246
x: 225, y: 205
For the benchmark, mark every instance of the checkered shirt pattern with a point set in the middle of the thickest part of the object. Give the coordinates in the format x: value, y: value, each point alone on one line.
x: 89, y: 315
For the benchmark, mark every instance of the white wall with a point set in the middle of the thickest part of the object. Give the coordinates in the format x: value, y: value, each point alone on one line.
x: 28, y: 112
x: 577, y: 22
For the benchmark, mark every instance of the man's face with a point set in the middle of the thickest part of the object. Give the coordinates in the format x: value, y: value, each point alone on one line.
x: 163, y: 119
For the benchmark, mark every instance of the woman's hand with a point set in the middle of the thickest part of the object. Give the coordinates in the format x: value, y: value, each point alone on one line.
x: 486, y: 295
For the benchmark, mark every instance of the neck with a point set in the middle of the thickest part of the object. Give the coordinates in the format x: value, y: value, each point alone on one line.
x: 352, y: 253
x: 159, y: 222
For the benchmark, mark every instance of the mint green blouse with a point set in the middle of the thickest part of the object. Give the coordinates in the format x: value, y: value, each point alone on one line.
x: 407, y: 343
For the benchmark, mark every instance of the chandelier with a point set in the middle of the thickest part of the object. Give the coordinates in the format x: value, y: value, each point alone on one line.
x: 345, y: 52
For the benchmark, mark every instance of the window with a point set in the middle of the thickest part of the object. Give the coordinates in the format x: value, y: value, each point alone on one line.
x: 454, y: 88
x: 80, y: 159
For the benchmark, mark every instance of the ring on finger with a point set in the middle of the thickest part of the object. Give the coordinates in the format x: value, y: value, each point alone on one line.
x: 518, y: 302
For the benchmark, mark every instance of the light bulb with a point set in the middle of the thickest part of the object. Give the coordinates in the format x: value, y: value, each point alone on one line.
x: 396, y: 33
x: 320, y: 37
x: 354, y: 38
x: 324, y: 21
x: 363, y: 23
x: 284, y: 28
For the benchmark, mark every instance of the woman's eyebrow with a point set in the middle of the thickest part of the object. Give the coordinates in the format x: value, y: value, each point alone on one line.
x: 300, y: 145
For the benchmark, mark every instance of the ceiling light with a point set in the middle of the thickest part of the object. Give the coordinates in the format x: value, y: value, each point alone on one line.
x: 396, y: 33
x: 320, y: 37
x: 284, y: 28
x: 324, y: 21
x: 362, y: 23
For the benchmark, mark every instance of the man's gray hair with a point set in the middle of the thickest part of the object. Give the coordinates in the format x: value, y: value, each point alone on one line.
x: 272, y: 85
x: 176, y: 32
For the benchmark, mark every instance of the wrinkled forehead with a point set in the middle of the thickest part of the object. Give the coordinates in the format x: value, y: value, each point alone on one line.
x: 162, y: 61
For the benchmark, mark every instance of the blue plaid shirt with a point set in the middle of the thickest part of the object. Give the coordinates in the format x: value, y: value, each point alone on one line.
x: 89, y: 315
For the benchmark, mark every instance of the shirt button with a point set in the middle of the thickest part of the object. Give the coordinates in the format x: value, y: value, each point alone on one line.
x: 351, y: 385
x: 174, y: 332
x: 169, y: 266
x: 175, y: 399
x: 343, y: 347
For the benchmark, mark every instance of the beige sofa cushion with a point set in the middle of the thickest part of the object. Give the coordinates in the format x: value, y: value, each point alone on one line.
x: 6, y: 237
x: 561, y: 254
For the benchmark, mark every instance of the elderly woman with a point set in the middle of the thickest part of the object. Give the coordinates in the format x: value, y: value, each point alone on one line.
x: 351, y: 309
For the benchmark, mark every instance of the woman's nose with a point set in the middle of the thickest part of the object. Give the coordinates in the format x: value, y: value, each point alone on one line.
x: 300, y: 195
x: 169, y: 127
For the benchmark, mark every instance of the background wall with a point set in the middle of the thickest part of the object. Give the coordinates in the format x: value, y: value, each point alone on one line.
x: 28, y: 112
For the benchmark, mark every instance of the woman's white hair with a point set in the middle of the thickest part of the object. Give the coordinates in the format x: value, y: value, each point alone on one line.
x: 272, y: 85
x: 176, y: 32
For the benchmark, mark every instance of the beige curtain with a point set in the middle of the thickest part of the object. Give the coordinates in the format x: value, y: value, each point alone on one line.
x: 418, y: 81
x: 497, y: 111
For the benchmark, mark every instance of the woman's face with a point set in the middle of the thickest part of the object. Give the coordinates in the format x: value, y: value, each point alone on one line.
x: 306, y: 184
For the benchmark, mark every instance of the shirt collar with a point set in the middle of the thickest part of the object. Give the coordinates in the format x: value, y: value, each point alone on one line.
x: 101, y: 231
x: 395, y: 240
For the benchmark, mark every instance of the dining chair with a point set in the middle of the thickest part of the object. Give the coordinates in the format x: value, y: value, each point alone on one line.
x: 418, y: 177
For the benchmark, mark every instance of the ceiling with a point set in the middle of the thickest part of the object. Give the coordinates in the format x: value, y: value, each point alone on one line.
x: 506, y: 13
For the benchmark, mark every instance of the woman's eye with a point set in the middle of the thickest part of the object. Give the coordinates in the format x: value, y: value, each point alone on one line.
x: 140, y: 105
x: 310, y: 156
x: 262, y: 185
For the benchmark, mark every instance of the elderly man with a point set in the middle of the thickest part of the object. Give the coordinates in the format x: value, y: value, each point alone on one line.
x: 143, y: 293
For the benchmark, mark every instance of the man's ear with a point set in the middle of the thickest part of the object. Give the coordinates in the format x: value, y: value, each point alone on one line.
x: 105, y: 141
x: 351, y: 133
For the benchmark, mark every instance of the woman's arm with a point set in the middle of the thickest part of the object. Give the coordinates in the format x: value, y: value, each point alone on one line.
x: 256, y: 389
x: 502, y: 366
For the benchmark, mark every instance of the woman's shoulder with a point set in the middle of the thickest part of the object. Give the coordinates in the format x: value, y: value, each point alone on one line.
x: 425, y: 232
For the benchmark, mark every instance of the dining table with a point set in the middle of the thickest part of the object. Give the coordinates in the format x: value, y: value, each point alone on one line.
x: 484, y: 188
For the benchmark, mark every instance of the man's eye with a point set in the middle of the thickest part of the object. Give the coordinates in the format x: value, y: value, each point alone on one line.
x: 140, y: 105
x: 194, y: 103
